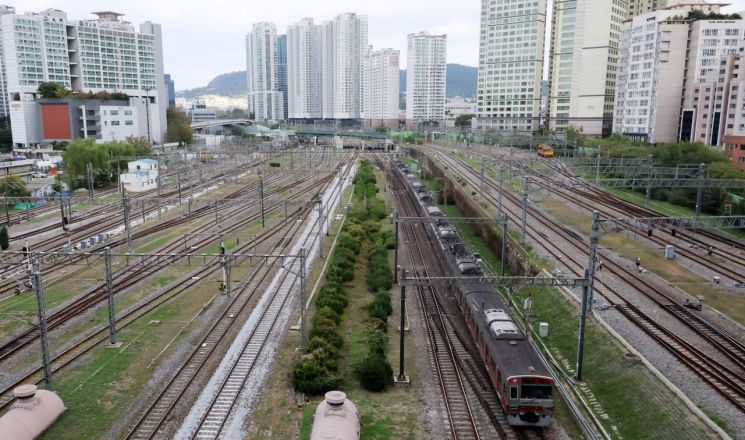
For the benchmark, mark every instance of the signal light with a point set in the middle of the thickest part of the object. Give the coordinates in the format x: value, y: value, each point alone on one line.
x: 674, y: 232
x: 649, y: 233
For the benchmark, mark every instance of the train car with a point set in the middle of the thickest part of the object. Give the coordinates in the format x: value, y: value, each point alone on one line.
x: 545, y: 150
x: 519, y: 376
x: 336, y: 418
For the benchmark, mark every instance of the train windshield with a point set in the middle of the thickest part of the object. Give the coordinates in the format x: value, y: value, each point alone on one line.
x: 536, y: 391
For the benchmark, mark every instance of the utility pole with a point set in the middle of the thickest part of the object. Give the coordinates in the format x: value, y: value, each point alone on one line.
x: 582, y: 320
x: 110, y: 296
x: 525, y: 210
x: 41, y: 313
x: 597, y: 168
x: 127, y: 227
x: 160, y: 200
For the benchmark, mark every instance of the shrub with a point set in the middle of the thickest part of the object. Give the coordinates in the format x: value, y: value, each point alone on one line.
x: 377, y: 310
x: 347, y: 241
x: 374, y: 373
x: 335, y: 302
x: 327, y: 333
x: 377, y: 340
x: 274, y: 164
x: 327, y: 313
x: 311, y: 377
x: 325, y: 353
x: 384, y: 300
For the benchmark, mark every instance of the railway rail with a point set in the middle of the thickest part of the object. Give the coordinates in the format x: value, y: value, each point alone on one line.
x: 121, y: 281
x: 721, y: 377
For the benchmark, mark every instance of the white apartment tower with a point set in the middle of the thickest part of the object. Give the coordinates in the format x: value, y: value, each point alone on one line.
x: 638, y: 7
x: 381, y: 87
x: 265, y: 100
x: 102, y: 55
x: 511, y: 64
x: 325, y: 64
x: 349, y: 52
x: 304, y: 77
x: 583, y: 64
x: 426, y: 66
x: 664, y: 55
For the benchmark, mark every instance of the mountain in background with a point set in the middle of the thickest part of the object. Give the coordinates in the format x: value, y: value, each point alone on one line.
x: 227, y: 84
x: 461, y: 81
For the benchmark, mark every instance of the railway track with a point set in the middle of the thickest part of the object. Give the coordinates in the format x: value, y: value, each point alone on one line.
x: 456, y: 362
x: 8, y: 285
x: 221, y: 404
x: 122, y: 280
x: 67, y: 356
x: 722, y: 378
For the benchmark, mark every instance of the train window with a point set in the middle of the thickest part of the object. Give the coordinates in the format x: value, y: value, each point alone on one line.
x: 513, y: 392
x: 536, y: 391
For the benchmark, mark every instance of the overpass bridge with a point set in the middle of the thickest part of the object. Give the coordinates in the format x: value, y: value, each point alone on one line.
x: 218, y: 124
x: 358, y: 139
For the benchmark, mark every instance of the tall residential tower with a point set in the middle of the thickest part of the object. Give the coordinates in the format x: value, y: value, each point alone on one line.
x: 426, y: 66
x: 265, y: 100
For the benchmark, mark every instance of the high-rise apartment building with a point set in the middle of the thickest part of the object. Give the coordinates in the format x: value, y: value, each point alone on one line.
x: 511, y: 64
x: 102, y: 55
x: 583, y: 64
x: 325, y: 64
x: 381, y: 76
x: 426, y: 66
x: 304, y: 78
x: 662, y: 56
x: 349, y: 52
x: 282, y: 71
x: 265, y: 100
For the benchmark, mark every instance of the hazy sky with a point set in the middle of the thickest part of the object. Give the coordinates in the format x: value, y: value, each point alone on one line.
x: 202, y: 39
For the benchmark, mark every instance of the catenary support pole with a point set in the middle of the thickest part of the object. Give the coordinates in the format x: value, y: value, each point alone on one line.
x: 700, y: 190
x: 302, y: 297
x: 401, y: 375
x: 127, y: 226
x: 395, y: 248
x: 594, y: 239
x: 582, y: 320
x: 501, y: 186
x: 525, y: 211
x: 261, y: 198
x: 648, y: 192
x: 41, y: 313
x: 110, y: 296
x: 504, y: 244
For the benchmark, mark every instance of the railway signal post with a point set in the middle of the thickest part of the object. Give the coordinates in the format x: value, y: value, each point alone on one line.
x: 402, y: 378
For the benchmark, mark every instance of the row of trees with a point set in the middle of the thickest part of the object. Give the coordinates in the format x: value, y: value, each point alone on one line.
x: 54, y: 90
x: 718, y: 164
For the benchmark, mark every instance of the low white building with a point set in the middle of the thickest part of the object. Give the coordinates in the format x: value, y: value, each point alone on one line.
x: 141, y: 175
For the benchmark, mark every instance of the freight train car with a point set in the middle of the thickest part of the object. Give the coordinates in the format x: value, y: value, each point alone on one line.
x: 519, y: 376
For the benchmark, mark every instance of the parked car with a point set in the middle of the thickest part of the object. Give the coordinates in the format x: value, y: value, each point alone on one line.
x: 39, y: 174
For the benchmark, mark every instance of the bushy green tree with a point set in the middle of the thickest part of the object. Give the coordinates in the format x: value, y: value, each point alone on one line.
x: 374, y: 373
x: 13, y: 186
x: 179, y: 127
